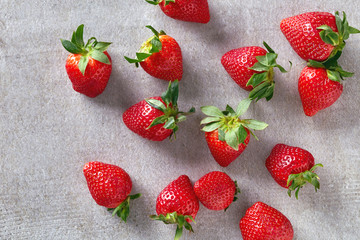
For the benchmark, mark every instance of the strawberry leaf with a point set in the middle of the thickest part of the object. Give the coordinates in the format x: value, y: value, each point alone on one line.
x: 159, y: 120
x: 156, y: 104
x: 270, y: 50
x: 211, y: 126
x: 209, y: 120
x: 71, y: 47
x: 256, y: 79
x: 79, y: 39
x: 231, y: 139
x: 221, y: 135
x: 83, y: 64
x: 255, y: 124
x: 212, y: 111
x: 100, y: 56
x: 102, y: 46
x: 243, y: 106
x: 333, y: 75
x: 241, y: 134
x: 170, y: 123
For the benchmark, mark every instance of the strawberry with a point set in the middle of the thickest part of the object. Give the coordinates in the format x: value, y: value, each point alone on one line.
x: 160, y: 56
x: 88, y: 66
x: 110, y: 187
x: 185, y: 10
x: 317, y: 35
x: 177, y: 204
x: 216, y: 190
x: 292, y: 168
x: 252, y: 69
x: 262, y: 222
x: 156, y: 118
x: 227, y: 136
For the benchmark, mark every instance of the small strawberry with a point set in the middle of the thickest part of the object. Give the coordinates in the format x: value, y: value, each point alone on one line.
x: 156, y: 118
x: 226, y: 135
x: 185, y: 10
x: 110, y: 187
x: 160, y: 56
x: 216, y: 190
x: 88, y: 66
x: 262, y: 222
x: 177, y: 204
x: 252, y: 68
x: 317, y: 35
x: 292, y: 168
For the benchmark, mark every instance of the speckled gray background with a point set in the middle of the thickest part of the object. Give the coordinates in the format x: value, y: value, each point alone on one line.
x: 48, y: 131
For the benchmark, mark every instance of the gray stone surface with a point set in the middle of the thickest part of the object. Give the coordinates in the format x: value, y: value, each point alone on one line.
x: 49, y: 131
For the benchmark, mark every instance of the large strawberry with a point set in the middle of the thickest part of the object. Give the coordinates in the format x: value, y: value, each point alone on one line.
x: 292, y: 167
x: 216, y: 190
x: 185, y: 10
x: 160, y: 56
x: 88, y: 65
x: 262, y: 222
x: 177, y: 204
x: 110, y: 186
x: 226, y: 134
x: 156, y: 118
x: 317, y: 35
x: 252, y: 68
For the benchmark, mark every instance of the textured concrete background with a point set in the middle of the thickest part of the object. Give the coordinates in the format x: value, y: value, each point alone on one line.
x: 49, y: 131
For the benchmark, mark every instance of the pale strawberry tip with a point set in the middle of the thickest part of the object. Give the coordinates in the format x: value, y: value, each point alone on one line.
x: 123, y: 210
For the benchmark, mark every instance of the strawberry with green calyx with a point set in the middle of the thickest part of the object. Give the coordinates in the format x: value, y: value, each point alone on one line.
x: 160, y: 56
x: 226, y: 134
x: 156, y: 118
x: 88, y: 65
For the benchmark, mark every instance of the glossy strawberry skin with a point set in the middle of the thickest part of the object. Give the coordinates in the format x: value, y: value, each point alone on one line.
x: 238, y: 61
x: 303, y: 36
x: 139, y: 117
x: 215, y: 190
x: 96, y: 76
x: 166, y: 64
x: 285, y: 160
x: 178, y: 196
x: 221, y: 151
x: 187, y: 10
x: 108, y: 184
x: 262, y: 222
x: 317, y: 91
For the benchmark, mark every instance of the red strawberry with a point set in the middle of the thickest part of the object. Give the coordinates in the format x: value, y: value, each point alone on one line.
x: 160, y: 56
x: 110, y: 187
x: 317, y: 35
x: 216, y: 190
x: 88, y: 66
x: 226, y: 135
x: 156, y: 118
x: 185, y: 10
x: 252, y: 67
x: 177, y: 204
x: 292, y: 167
x: 262, y: 222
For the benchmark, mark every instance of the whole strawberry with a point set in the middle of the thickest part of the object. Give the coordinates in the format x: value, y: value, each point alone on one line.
x: 156, y: 118
x: 252, y: 68
x: 160, y: 56
x: 262, y: 222
x: 226, y: 134
x: 185, y: 10
x: 292, y: 168
x: 110, y: 187
x: 88, y: 65
x: 216, y: 190
x: 177, y: 204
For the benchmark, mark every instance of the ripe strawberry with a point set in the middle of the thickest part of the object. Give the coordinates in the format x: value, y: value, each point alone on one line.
x: 292, y: 168
x: 317, y: 35
x: 160, y: 56
x: 156, y: 118
x: 252, y: 69
x: 185, y: 10
x: 88, y: 66
x: 262, y: 222
x: 177, y: 204
x: 216, y: 190
x: 226, y: 135
x: 110, y: 187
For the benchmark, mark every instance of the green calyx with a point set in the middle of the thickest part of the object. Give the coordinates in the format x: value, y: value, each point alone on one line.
x: 92, y: 48
x: 174, y: 218
x: 297, y: 181
x: 123, y: 209
x: 336, y: 39
x: 157, y: 2
x: 263, y: 82
x: 150, y: 46
x: 172, y: 116
x: 237, y: 191
x: 230, y: 127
